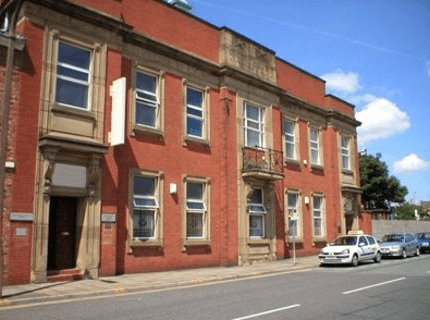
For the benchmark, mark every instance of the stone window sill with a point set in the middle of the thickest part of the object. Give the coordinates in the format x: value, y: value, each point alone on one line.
x: 258, y: 241
x: 146, y: 243
x: 141, y: 130
x: 196, y: 242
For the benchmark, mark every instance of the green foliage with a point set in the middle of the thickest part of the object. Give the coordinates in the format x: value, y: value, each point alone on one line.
x: 407, y: 212
x: 379, y: 188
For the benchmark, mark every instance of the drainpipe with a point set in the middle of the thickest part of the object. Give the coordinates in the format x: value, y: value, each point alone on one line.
x: 7, y: 32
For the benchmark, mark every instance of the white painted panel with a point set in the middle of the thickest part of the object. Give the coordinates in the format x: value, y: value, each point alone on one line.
x: 118, y: 111
x: 66, y: 175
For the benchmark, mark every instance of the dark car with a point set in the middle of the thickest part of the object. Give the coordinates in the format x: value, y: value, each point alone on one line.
x: 399, y: 245
x: 423, y: 239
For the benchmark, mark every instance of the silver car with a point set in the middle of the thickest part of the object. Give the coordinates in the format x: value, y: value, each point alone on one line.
x: 399, y: 245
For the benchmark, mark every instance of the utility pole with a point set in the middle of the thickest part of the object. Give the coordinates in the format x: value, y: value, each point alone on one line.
x: 9, y: 35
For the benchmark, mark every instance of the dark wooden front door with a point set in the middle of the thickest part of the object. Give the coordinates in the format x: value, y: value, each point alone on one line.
x: 349, y: 221
x: 62, y: 233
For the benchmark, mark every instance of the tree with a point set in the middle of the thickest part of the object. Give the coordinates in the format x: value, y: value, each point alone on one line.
x: 379, y: 188
x: 407, y: 212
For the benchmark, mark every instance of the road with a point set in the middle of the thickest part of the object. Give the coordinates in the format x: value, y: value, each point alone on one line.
x: 393, y: 289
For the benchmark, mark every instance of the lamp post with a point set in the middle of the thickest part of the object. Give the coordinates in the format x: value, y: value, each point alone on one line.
x: 8, y: 33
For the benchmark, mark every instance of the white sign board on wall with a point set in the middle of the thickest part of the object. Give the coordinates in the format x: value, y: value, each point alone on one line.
x: 118, y: 92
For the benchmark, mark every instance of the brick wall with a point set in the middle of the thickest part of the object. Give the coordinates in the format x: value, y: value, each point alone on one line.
x: 22, y: 150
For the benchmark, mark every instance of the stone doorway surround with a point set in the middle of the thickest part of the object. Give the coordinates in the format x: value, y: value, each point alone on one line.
x: 84, y: 158
x: 350, y: 212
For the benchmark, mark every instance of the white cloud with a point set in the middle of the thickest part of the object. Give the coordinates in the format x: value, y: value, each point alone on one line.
x: 381, y: 119
x: 362, y: 98
x: 428, y: 68
x: 340, y: 81
x: 411, y: 163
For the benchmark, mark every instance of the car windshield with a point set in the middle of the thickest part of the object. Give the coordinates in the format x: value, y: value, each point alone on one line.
x: 423, y: 236
x: 345, y: 241
x: 392, y: 238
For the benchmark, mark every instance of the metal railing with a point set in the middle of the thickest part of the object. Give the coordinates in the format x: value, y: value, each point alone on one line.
x: 263, y: 160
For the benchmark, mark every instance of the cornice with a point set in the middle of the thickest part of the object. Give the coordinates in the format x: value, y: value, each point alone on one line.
x: 85, y: 14
x: 156, y: 46
x: 129, y: 35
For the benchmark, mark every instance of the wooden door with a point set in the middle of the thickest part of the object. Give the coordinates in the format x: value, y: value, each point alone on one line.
x: 62, y: 233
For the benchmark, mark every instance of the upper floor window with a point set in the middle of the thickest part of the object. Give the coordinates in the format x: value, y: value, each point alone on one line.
x: 257, y: 213
x: 73, y: 81
x: 290, y: 140
x: 253, y: 124
x: 345, y: 153
x: 145, y: 207
x: 315, y: 146
x: 147, y: 100
x: 195, y: 113
x: 196, y: 210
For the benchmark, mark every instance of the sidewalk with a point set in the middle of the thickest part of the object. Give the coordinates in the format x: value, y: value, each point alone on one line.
x: 140, y: 282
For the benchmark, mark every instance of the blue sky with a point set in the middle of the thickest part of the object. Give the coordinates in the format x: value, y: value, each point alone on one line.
x: 374, y: 54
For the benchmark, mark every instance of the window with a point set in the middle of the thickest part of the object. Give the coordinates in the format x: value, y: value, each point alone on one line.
x: 196, y: 210
x: 345, y: 153
x: 195, y: 113
x: 145, y: 207
x: 315, y: 147
x: 362, y: 240
x: 371, y: 240
x: 253, y: 124
x: 317, y: 215
x: 257, y: 213
x: 73, y: 80
x: 147, y: 100
x: 290, y: 140
x: 293, y: 214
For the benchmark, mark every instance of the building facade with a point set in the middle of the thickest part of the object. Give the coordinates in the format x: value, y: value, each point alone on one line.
x: 133, y: 147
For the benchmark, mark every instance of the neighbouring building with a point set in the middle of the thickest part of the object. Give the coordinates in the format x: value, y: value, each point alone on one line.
x: 142, y: 138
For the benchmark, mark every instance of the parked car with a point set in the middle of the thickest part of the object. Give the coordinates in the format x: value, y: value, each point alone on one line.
x: 351, y: 249
x: 399, y: 245
x: 423, y: 239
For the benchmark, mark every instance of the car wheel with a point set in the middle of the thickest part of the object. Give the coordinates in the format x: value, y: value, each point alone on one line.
x: 377, y: 257
x: 404, y: 256
x: 417, y: 251
x: 354, y: 261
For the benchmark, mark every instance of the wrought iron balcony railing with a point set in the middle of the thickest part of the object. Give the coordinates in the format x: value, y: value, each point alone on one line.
x: 263, y: 161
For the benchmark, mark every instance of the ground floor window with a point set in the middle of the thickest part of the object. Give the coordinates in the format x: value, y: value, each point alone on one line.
x: 196, y: 209
x: 145, y: 207
x: 257, y: 214
x: 293, y: 215
x: 318, y: 216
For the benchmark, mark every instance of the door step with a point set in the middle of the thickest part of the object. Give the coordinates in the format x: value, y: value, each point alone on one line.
x: 65, y: 275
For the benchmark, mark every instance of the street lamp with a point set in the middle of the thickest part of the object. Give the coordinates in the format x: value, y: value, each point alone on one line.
x: 8, y: 38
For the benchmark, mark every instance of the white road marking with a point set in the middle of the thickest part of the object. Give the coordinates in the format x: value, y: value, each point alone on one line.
x: 267, y: 312
x: 373, y: 285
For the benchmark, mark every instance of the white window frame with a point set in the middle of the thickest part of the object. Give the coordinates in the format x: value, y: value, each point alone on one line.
x: 203, y: 212
x: 315, y: 146
x: 247, y: 125
x: 291, y: 211
x: 154, y: 104
x: 261, y: 212
x: 290, y: 139
x: 151, y: 208
x: 201, y: 108
x: 320, y: 217
x: 345, y: 152
x: 89, y: 71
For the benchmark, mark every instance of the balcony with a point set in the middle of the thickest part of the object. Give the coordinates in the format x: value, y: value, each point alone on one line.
x: 262, y: 163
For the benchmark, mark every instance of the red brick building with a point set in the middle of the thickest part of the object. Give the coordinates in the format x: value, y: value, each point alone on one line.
x: 132, y: 148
